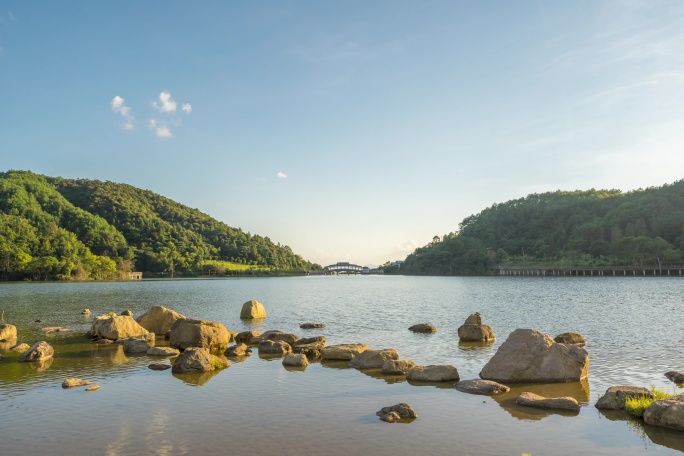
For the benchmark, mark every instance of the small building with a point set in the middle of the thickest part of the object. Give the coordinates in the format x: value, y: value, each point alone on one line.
x: 135, y: 275
x: 397, y: 264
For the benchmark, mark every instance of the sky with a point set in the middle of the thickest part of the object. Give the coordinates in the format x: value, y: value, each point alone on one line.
x: 350, y: 131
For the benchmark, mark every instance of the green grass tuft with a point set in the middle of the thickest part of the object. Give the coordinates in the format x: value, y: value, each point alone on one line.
x: 636, y: 406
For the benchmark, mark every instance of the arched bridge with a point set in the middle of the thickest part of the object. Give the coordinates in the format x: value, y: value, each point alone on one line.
x: 345, y: 268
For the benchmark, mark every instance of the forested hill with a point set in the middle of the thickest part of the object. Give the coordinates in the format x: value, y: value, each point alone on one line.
x: 579, y: 228
x: 54, y: 228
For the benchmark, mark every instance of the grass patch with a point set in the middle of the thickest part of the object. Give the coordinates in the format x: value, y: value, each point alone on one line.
x: 637, y: 405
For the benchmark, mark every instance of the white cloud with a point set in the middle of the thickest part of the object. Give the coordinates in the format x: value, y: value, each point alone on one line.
x: 281, y: 175
x: 163, y: 132
x: 187, y: 108
x: 166, y: 104
x: 119, y: 106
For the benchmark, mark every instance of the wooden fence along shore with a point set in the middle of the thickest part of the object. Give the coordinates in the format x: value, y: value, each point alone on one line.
x: 543, y: 271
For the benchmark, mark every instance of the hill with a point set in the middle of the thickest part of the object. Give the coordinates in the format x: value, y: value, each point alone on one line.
x: 80, y: 229
x: 578, y: 228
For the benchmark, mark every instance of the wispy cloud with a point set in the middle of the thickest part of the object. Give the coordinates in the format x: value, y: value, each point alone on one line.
x: 281, y: 175
x: 166, y: 104
x: 161, y: 129
x: 119, y: 106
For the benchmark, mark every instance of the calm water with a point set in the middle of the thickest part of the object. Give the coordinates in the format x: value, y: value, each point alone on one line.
x: 634, y: 328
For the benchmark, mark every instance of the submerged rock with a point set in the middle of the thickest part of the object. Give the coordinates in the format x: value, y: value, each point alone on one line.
x: 675, y: 376
x: 85, y: 312
x: 560, y: 403
x: 373, y: 359
x: 483, y: 387
x: 72, y: 382
x: 252, y: 310
x: 398, y: 412
x: 397, y: 366
x: 40, y: 351
x: 159, y: 366
x: 531, y: 356
x: 55, y: 329
x: 197, y: 359
x: 570, y: 338
x: 159, y: 319
x: 668, y: 413
x: 473, y: 330
x: 295, y: 360
x: 187, y: 333
x: 615, y: 396
x: 312, y: 325
x: 423, y: 328
x: 344, y: 352
x: 7, y: 332
x: 433, y: 373
x: 93, y: 388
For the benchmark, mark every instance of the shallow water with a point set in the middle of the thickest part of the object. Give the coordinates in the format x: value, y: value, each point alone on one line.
x: 633, y: 327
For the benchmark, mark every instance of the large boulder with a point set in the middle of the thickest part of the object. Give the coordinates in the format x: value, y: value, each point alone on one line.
x: 397, y: 412
x: 397, y: 366
x: 159, y: 319
x: 426, y: 328
x: 373, y: 359
x: 434, y: 373
x: 252, y: 310
x: 535, y: 400
x: 615, y: 396
x: 274, y: 347
x: 473, y: 330
x: 531, y: 356
x: 7, y: 332
x: 483, y: 387
x: 114, y: 327
x: 571, y: 338
x: 667, y: 413
x: 40, y: 351
x: 187, y: 333
x: 197, y: 359
x: 343, y: 352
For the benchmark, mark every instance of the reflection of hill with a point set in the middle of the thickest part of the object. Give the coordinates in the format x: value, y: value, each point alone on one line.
x: 576, y: 390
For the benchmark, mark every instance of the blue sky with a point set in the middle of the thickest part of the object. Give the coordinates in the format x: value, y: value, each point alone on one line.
x: 351, y: 131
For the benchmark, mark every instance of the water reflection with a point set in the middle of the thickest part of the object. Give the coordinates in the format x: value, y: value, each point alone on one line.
x: 378, y: 375
x: 335, y: 364
x: 440, y: 385
x: 7, y: 344
x: 196, y: 379
x: 40, y: 366
x: 470, y: 346
x: 577, y: 390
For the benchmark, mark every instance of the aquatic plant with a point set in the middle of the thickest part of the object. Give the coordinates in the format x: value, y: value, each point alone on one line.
x: 637, y: 405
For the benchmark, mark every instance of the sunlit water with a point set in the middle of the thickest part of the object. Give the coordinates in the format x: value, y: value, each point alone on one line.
x: 633, y: 327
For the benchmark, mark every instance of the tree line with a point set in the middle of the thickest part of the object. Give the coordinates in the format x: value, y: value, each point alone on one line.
x: 593, y: 228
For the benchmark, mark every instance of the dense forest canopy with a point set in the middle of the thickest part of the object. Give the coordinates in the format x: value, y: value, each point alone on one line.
x: 564, y: 229
x: 65, y: 229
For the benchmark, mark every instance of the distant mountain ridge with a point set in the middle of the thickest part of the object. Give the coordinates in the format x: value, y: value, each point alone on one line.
x: 593, y: 228
x: 52, y: 227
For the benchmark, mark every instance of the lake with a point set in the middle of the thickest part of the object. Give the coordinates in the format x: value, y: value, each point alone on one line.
x: 633, y: 326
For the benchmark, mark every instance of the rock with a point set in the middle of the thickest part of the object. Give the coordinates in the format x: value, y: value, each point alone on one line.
x: 159, y: 319
x: 40, y: 351
x: 675, y: 376
x: 434, y: 373
x: 311, y: 325
x: 295, y: 360
x: 278, y: 347
x: 114, y: 327
x: 668, y: 413
x: 373, y: 359
x: 614, y: 397
x: 247, y: 337
x: 20, y: 348
x: 311, y: 340
x: 344, y: 352
x: 235, y: 351
x: 484, y: 387
x: 397, y: 412
x: 473, y: 330
x: 71, y: 382
x: 55, y: 329
x: 159, y: 366
x: 134, y: 345
x: 265, y: 336
x: 311, y: 351
x: 561, y: 403
x: 252, y: 309
x: 397, y: 366
x: 570, y: 338
x: 85, y: 312
x: 163, y: 351
x: 197, y: 359
x: 232, y: 335
x: 93, y: 388
x: 423, y: 328
x: 199, y: 333
x: 7, y: 332
x: 531, y: 356
x: 129, y: 313
x: 289, y: 338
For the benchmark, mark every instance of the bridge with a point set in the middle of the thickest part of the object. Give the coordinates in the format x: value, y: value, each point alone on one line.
x: 344, y: 267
